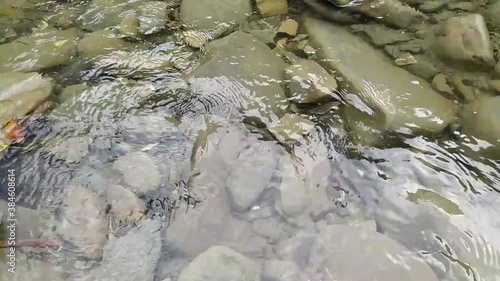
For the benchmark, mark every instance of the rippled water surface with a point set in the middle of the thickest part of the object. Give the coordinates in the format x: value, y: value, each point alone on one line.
x: 250, y: 140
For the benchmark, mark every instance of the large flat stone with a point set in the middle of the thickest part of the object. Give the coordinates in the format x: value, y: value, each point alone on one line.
x: 390, y: 97
x: 38, y: 51
x: 243, y: 74
x: 206, y: 14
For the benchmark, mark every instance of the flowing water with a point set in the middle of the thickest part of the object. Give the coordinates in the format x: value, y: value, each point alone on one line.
x: 160, y: 140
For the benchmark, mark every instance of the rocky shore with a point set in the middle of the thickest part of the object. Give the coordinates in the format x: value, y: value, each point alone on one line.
x: 193, y: 132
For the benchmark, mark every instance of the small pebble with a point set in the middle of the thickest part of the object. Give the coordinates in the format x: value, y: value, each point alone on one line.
x: 289, y: 27
x: 405, y: 59
x: 440, y: 84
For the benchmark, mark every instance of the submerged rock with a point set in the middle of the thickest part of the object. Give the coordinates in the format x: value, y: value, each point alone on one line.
x: 390, y: 99
x: 308, y: 82
x: 132, y: 257
x: 38, y: 51
x: 241, y: 73
x: 125, y: 205
x: 101, y: 43
x: 440, y: 84
x: 152, y: 16
x: 30, y: 268
x: 220, y: 263
x: 85, y: 221
x: 341, y: 251
x: 278, y: 270
x: 291, y: 128
x: 481, y: 119
x: 21, y: 93
x: 139, y: 172
x: 253, y: 174
x: 491, y: 15
x: 207, y: 14
x: 30, y: 223
x: 72, y: 150
x: 381, y: 35
x: 465, y: 40
x: 102, y: 14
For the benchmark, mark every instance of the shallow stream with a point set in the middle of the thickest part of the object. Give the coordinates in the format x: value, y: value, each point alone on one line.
x: 273, y: 140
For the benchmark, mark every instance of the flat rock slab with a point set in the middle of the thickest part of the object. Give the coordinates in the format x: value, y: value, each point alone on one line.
x: 207, y: 14
x: 242, y: 73
x: 394, y: 96
x: 38, y: 51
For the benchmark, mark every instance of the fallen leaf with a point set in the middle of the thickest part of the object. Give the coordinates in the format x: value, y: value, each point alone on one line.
x: 13, y: 130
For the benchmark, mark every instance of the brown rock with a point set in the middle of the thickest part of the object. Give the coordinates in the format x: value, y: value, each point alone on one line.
x: 269, y: 8
x: 289, y: 27
x: 439, y: 84
x: 495, y: 86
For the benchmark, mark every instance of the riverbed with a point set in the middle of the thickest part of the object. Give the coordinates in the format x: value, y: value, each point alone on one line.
x: 273, y: 140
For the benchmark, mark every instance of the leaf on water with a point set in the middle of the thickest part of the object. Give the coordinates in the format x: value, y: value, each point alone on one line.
x: 13, y: 130
x: 436, y: 199
x: 60, y: 43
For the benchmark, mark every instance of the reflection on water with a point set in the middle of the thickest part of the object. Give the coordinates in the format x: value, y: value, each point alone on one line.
x: 146, y: 159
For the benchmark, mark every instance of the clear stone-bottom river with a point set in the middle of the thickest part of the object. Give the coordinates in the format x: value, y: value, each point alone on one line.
x: 266, y: 140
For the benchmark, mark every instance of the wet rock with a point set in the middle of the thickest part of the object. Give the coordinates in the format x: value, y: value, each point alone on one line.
x: 21, y: 93
x: 72, y: 150
x: 270, y: 228
x: 495, y: 86
x: 278, y: 270
x: 289, y: 27
x: 414, y: 46
x: 269, y: 8
x: 423, y: 69
x: 482, y: 120
x: 393, y: 51
x: 84, y: 221
x: 381, y: 35
x: 131, y: 257
x: 71, y: 91
x: 38, y: 51
x: 253, y: 174
x: 152, y: 16
x: 431, y: 6
x: 462, y: 6
x: 466, y: 91
x: 105, y: 102
x: 102, y: 14
x: 129, y: 26
x: 64, y: 18
x: 29, y: 268
x: 207, y: 14
x: 30, y: 223
x: 100, y: 43
x: 392, y: 12
x: 382, y: 98
x: 220, y: 263
x: 405, y: 59
x: 135, y: 64
x: 465, y: 40
x: 208, y: 224
x: 266, y: 36
x: 293, y: 191
x: 291, y: 128
x: 139, y: 172
x: 342, y: 250
x: 223, y: 79
x: 491, y: 15
x: 125, y: 205
x: 308, y: 82
x: 440, y: 84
